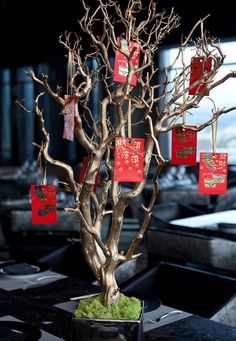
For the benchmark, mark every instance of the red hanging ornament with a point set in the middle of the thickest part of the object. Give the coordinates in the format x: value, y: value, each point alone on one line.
x: 121, y: 63
x: 199, y: 67
x: 213, y: 169
x: 184, y: 146
x: 129, y: 159
x: 43, y: 202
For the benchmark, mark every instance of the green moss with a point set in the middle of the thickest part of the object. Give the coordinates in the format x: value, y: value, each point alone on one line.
x: 128, y: 308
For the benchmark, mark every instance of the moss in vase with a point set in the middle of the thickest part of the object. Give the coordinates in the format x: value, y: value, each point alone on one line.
x: 128, y: 308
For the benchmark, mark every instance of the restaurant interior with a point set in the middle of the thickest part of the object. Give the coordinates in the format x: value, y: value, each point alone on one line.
x: 187, y: 271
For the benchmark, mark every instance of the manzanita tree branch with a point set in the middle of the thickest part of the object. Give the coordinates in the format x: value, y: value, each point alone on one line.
x: 160, y: 103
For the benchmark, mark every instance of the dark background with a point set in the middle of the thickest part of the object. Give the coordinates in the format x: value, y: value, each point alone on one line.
x: 30, y: 30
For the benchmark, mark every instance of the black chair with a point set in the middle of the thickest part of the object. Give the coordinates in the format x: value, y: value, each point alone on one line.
x: 196, y: 291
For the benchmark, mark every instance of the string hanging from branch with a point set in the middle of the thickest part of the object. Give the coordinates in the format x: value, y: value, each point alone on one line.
x: 214, y: 130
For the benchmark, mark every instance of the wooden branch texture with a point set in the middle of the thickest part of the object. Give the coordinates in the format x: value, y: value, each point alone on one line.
x: 91, y: 67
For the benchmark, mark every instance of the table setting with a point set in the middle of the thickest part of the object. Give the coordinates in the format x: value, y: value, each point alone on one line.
x: 50, y: 306
x: 21, y: 275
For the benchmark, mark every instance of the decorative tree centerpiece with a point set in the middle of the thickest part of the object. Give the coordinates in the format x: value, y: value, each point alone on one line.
x: 117, y: 51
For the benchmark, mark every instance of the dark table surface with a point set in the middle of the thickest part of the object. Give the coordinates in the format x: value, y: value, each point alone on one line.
x: 36, y: 306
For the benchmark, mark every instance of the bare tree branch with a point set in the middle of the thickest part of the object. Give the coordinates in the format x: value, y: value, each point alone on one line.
x: 156, y: 103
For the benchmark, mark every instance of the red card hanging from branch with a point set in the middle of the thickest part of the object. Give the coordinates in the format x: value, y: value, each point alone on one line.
x: 83, y: 171
x: 70, y: 110
x: 129, y: 159
x: 121, y: 63
x: 184, y: 145
x: 43, y: 198
x: 199, y: 67
x: 213, y: 173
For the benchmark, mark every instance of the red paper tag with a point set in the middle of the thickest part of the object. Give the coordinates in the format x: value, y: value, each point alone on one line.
x: 121, y: 63
x: 69, y: 111
x: 184, y: 145
x: 129, y: 160
x: 83, y: 171
x: 213, y: 173
x: 199, y: 67
x: 43, y: 198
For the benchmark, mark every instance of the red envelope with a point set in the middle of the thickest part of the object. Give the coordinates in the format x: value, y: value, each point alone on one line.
x: 213, y: 170
x: 83, y: 171
x: 129, y: 159
x: 69, y: 111
x: 199, y: 66
x: 184, y: 146
x: 43, y: 202
x: 121, y: 63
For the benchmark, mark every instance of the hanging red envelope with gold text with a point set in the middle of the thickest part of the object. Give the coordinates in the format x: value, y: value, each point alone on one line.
x: 184, y: 145
x: 129, y: 159
x: 43, y: 202
x: 121, y: 63
x: 69, y: 111
x: 199, y: 67
x: 83, y: 171
x: 213, y: 170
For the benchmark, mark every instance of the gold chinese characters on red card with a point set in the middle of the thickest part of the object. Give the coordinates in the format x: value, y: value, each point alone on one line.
x: 129, y: 159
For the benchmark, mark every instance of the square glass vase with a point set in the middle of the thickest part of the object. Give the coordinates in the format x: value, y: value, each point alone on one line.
x: 100, y: 329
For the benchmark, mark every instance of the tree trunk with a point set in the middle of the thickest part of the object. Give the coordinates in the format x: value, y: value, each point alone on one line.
x: 108, y: 282
x: 103, y: 270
